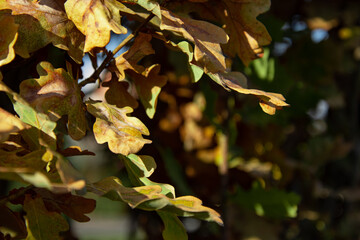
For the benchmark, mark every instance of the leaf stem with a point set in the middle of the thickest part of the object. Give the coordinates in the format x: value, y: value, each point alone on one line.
x: 110, y: 54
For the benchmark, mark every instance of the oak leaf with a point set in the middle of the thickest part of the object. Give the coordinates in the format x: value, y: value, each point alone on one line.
x: 122, y: 133
x: 56, y: 94
x: 95, y: 19
x: 269, y: 102
x: 41, y: 223
x: 9, y: 124
x: 150, y: 198
x: 43, y: 22
x: 148, y: 86
x: 8, y: 36
x: 138, y: 50
x: 118, y: 94
x: 247, y: 34
x: 206, y: 37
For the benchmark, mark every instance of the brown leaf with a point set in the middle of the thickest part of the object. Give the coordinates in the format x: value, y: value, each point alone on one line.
x: 123, y: 133
x: 75, y: 151
x: 269, y: 102
x: 95, y: 19
x: 129, y: 59
x: 13, y: 222
x: 56, y: 93
x: 247, y: 34
x: 41, y: 223
x: 8, y: 36
x: 206, y: 37
x: 43, y: 22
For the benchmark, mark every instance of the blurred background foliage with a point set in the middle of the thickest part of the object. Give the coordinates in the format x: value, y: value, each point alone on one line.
x: 294, y: 175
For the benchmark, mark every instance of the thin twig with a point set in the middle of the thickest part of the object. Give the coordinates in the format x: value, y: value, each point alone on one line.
x: 110, y: 55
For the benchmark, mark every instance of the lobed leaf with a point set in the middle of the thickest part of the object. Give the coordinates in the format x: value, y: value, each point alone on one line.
x: 8, y: 36
x: 43, y: 22
x: 150, y: 198
x: 56, y: 93
x: 148, y: 86
x: 206, y: 37
x: 9, y: 124
x: 95, y: 19
x: 41, y: 223
x: 269, y: 102
x: 121, y: 132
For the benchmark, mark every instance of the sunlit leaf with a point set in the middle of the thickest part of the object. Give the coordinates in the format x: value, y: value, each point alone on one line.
x: 269, y: 102
x: 43, y: 22
x: 41, y: 223
x: 9, y: 124
x: 8, y: 36
x: 206, y: 37
x: 95, y: 19
x: 150, y: 198
x: 129, y: 59
x: 29, y: 115
x: 56, y: 93
x: 121, y: 132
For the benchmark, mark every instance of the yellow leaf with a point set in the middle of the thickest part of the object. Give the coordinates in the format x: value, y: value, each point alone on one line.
x: 269, y: 102
x: 95, y: 19
x: 121, y: 132
x: 8, y: 36
x: 9, y: 124
x: 207, y: 38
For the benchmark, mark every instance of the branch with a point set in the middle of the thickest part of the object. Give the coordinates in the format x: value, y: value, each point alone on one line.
x: 110, y: 54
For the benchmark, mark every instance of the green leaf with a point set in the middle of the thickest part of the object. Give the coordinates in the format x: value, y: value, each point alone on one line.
x: 8, y: 36
x: 41, y: 223
x: 29, y: 115
x: 273, y: 203
x: 43, y: 22
x: 95, y: 19
x: 121, y: 132
x: 174, y: 229
x: 56, y: 94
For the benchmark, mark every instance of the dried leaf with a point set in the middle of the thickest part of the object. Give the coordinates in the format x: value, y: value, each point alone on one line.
x: 123, y: 133
x: 8, y: 36
x: 148, y: 86
x: 41, y: 223
x: 56, y: 93
x: 95, y: 19
x: 206, y: 37
x: 269, y: 102
x: 247, y: 34
x: 43, y: 22
x: 129, y: 59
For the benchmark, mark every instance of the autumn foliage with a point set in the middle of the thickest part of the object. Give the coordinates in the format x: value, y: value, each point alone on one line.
x: 50, y: 104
